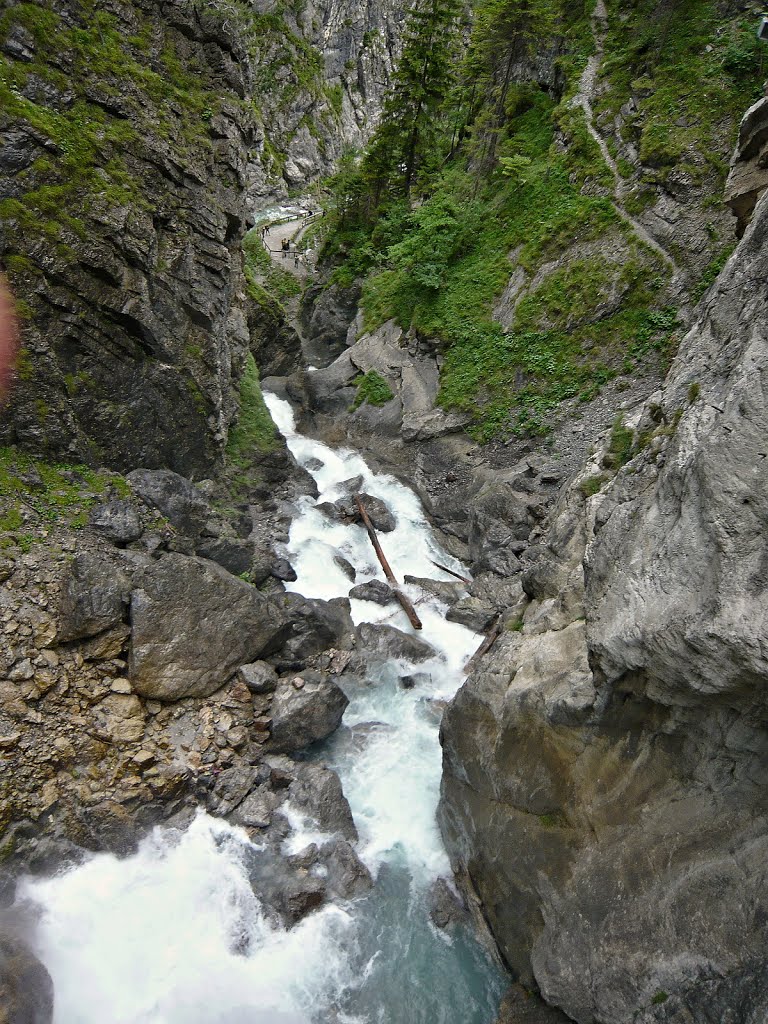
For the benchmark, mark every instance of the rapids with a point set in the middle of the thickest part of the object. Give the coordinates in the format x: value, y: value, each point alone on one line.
x: 175, y: 935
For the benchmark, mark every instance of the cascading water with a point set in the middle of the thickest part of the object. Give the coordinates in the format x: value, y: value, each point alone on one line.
x: 175, y: 934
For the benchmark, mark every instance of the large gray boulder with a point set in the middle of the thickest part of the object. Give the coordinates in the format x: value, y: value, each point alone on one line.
x: 194, y: 624
x: 315, y: 626
x: 305, y: 709
x: 94, y: 595
x: 377, y: 642
x: 317, y: 792
x: 345, y: 510
x: 116, y: 520
x: 175, y: 497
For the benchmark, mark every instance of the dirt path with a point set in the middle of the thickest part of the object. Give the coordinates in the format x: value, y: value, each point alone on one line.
x: 583, y: 99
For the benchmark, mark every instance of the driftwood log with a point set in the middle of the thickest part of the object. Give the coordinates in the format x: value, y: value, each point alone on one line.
x: 405, y: 602
x: 491, y: 637
x: 444, y: 568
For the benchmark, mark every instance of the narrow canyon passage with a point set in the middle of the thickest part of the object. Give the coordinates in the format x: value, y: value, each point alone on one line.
x: 176, y: 933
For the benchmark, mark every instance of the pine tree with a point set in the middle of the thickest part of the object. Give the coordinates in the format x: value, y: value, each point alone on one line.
x: 421, y: 83
x: 502, y: 33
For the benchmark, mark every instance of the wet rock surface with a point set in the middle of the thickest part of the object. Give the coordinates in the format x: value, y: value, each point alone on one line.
x: 26, y: 988
x: 305, y: 708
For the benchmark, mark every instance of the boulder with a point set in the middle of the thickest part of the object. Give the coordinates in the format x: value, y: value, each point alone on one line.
x: 236, y: 556
x: 194, y: 624
x: 445, y: 905
x: 374, y: 590
x: 26, y: 988
x: 345, y: 510
x: 346, y: 875
x: 386, y: 643
x: 305, y: 709
x: 444, y: 591
x: 472, y: 613
x: 231, y: 789
x: 118, y: 521
x: 175, y: 497
x: 256, y: 810
x: 346, y: 567
x: 283, y: 570
x: 259, y: 677
x: 94, y: 596
x: 317, y: 792
x: 315, y: 626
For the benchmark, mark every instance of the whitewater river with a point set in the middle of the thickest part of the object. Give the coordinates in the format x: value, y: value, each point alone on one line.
x: 158, y: 938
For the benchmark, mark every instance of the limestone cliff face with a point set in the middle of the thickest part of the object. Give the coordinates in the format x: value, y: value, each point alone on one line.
x: 134, y: 139
x: 605, y: 784
x: 357, y: 45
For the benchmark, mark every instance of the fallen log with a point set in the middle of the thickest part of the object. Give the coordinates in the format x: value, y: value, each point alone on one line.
x: 405, y: 602
x: 444, y: 568
x: 490, y: 639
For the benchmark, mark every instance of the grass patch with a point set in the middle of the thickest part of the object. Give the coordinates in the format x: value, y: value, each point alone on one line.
x: 619, y: 445
x: 373, y: 389
x: 37, y: 495
x: 593, y: 484
x: 254, y: 432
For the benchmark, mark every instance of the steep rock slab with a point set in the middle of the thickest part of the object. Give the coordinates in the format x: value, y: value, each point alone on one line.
x: 606, y: 774
x: 193, y: 624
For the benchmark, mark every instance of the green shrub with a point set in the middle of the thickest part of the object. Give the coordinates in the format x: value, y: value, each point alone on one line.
x: 619, y: 445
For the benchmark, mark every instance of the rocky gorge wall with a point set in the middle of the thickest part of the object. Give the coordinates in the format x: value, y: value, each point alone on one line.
x: 133, y: 136
x: 604, y: 787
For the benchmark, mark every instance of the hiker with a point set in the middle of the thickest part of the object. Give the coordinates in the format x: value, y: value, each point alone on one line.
x: 296, y: 261
x: 286, y: 247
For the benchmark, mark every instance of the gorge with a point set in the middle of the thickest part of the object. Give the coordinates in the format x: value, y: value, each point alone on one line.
x: 529, y: 331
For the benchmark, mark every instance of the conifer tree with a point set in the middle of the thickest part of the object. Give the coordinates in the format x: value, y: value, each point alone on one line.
x: 421, y: 83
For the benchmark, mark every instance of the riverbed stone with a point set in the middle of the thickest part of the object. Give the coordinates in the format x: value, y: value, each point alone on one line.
x: 347, y: 877
x: 378, y: 642
x: 345, y: 510
x: 317, y: 792
x: 305, y: 715
x: 373, y: 590
x: 315, y: 626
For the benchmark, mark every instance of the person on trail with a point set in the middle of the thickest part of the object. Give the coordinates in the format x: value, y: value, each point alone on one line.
x: 296, y: 261
x: 286, y: 247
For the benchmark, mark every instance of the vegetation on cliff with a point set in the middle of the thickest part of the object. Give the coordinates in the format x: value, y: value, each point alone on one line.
x: 514, y: 183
